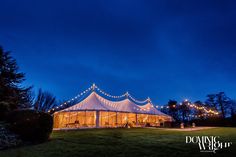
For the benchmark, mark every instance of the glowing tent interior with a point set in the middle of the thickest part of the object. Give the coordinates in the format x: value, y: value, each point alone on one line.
x: 96, y: 110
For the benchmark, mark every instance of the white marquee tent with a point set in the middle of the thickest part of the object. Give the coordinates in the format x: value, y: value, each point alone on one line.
x: 96, y: 110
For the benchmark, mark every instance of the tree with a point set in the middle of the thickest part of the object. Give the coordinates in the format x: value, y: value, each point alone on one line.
x: 184, y: 110
x: 199, y: 112
x: 12, y: 94
x: 173, y: 109
x: 220, y: 102
x: 211, y: 101
x: 44, y: 101
x: 233, y: 108
x: 223, y: 103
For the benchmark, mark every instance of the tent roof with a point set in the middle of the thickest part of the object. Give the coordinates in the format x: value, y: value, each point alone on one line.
x: 96, y: 102
x: 151, y: 109
x: 91, y: 102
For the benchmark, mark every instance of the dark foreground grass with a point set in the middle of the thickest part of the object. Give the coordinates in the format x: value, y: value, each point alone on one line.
x: 134, y: 142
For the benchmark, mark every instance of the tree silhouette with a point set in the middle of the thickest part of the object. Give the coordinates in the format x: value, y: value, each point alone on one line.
x: 12, y: 94
x: 211, y: 101
x: 199, y: 112
x: 233, y: 108
x: 224, y: 103
x: 220, y: 102
x: 184, y: 110
x: 173, y: 109
x: 44, y: 101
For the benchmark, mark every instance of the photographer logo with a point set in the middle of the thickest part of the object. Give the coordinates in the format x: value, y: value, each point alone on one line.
x: 208, y: 143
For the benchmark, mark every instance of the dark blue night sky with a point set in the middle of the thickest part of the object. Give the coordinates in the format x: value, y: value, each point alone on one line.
x: 161, y: 48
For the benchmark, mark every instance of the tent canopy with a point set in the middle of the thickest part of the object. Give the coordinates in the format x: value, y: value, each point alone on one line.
x: 96, y: 102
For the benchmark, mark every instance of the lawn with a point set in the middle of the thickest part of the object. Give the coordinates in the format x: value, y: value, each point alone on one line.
x: 133, y: 142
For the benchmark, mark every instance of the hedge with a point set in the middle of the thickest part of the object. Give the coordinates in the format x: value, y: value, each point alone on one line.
x: 31, y: 125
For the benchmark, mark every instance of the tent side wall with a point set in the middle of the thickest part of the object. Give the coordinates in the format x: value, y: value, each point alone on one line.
x: 78, y: 119
x: 75, y: 119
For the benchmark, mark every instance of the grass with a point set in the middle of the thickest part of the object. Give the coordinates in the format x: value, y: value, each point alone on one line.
x: 133, y: 142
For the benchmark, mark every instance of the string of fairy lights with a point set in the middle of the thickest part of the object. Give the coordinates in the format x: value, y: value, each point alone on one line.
x: 71, y: 100
x: 109, y: 95
x: 93, y: 88
x: 137, y: 101
x: 194, y: 106
x: 127, y: 95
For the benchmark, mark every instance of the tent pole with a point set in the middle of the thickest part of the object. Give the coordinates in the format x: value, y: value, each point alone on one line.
x: 116, y: 120
x: 68, y: 120
x: 77, y: 119
x: 64, y: 119
x: 108, y: 119
x: 85, y: 120
x: 97, y: 118
x: 136, y: 118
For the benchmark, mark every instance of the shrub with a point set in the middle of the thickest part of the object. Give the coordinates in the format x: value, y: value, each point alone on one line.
x: 3, y: 110
x: 7, y: 138
x: 31, y: 125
